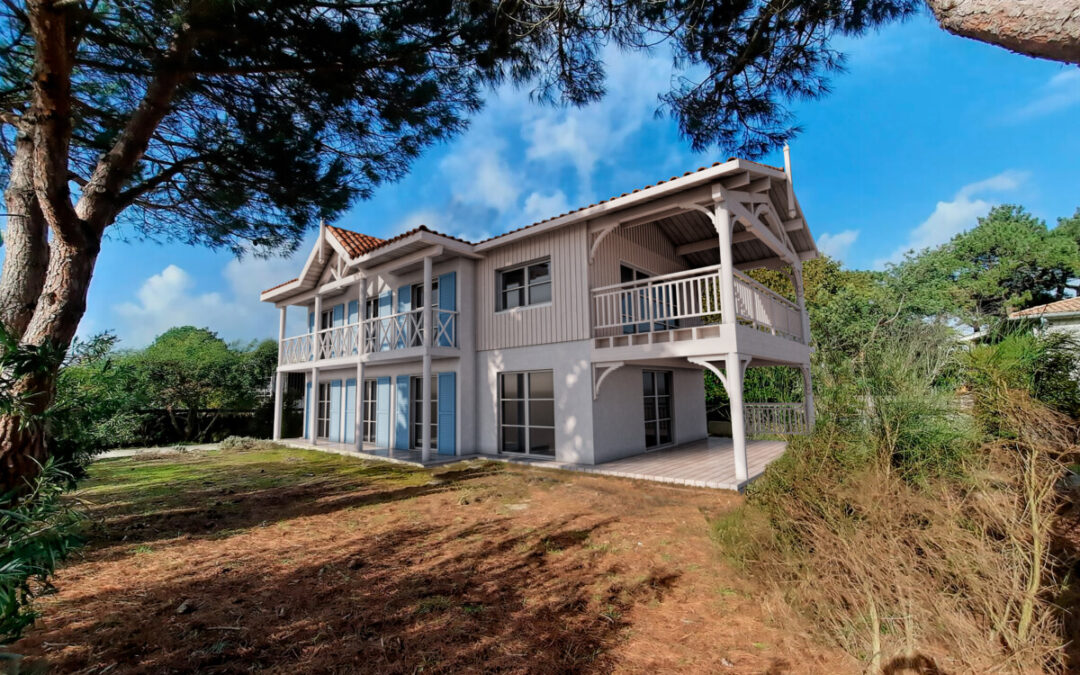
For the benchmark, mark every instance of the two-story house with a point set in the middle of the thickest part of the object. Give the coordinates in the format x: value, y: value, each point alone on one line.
x: 581, y: 339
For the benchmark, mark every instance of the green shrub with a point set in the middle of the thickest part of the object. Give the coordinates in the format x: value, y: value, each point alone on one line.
x: 37, y: 532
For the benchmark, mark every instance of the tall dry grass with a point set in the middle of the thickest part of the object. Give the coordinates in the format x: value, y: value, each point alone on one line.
x: 917, y: 533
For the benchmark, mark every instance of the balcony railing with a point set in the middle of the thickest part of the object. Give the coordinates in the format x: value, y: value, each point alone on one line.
x: 379, y: 334
x: 775, y: 418
x: 690, y: 298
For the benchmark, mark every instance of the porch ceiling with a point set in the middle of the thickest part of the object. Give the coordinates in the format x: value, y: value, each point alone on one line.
x: 689, y: 227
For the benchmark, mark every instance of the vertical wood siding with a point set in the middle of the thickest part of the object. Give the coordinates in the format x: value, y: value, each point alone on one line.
x: 645, y: 247
x: 566, y: 318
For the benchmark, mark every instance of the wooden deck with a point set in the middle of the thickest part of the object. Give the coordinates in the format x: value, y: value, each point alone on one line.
x: 708, y: 463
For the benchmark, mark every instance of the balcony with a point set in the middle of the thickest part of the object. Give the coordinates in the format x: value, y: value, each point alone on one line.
x: 686, y: 306
x: 404, y: 330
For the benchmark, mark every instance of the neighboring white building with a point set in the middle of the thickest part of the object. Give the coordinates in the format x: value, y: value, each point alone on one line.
x: 1062, y: 316
x: 582, y: 338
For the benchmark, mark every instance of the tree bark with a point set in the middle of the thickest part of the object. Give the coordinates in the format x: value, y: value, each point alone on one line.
x: 44, y: 284
x: 26, y: 241
x: 1047, y: 29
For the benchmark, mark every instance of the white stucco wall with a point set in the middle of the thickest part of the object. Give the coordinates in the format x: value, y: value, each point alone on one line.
x: 619, y: 415
x: 573, y: 395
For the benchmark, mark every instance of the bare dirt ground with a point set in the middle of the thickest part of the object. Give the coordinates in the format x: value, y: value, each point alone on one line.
x: 290, y: 561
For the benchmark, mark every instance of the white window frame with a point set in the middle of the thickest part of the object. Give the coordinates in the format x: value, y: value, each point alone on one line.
x: 526, y: 399
x: 526, y: 288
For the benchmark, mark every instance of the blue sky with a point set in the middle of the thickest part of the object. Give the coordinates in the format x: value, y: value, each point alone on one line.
x: 920, y: 137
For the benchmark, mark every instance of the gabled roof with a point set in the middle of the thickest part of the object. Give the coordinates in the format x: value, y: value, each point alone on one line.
x: 1066, y: 306
x: 355, y: 243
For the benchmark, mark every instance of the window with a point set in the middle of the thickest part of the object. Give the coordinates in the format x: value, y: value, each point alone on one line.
x: 327, y: 319
x: 371, y: 389
x: 524, y: 285
x: 372, y: 308
x: 527, y: 409
x: 322, y: 416
x: 418, y: 409
x: 657, y: 391
x: 418, y: 303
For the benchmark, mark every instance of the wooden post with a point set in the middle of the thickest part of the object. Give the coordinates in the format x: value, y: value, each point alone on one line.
x: 315, y: 326
x: 313, y: 403
x: 734, y: 372
x: 800, y: 298
x: 425, y: 395
x: 358, y: 433
x: 279, y: 378
x: 722, y: 223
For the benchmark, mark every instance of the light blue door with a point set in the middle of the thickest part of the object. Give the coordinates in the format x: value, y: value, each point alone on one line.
x: 335, y: 411
x: 350, y: 410
x: 354, y: 317
x: 448, y: 301
x: 382, y: 412
x: 447, y: 412
x: 401, y: 413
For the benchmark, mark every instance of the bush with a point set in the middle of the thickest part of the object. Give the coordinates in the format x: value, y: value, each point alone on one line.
x: 911, y: 529
x: 38, y: 531
x: 243, y: 443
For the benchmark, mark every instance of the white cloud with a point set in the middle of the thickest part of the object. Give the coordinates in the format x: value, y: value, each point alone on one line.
x: 953, y: 217
x: 1060, y: 92
x: 479, y: 175
x: 172, y: 298
x: 539, y: 206
x: 837, y: 245
x: 587, y: 137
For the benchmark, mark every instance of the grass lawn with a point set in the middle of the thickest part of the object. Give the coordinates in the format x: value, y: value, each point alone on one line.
x: 296, y: 561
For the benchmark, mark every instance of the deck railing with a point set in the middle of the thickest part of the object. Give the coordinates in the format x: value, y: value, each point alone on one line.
x: 690, y: 298
x: 766, y: 309
x: 380, y: 334
x: 775, y: 418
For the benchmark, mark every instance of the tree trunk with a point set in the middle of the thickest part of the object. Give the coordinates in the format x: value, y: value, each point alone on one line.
x: 55, y: 320
x: 26, y: 242
x: 1047, y: 29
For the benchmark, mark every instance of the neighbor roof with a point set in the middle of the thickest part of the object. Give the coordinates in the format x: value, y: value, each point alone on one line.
x: 355, y: 243
x: 1066, y: 306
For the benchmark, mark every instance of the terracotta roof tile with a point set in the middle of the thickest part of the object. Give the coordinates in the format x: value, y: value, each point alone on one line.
x: 283, y: 283
x: 355, y: 243
x: 1060, y: 307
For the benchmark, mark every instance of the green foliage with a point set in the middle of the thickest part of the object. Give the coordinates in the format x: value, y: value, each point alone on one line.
x: 1009, y: 261
x: 37, y: 531
x: 16, y: 362
x: 98, y: 402
x: 1046, y: 365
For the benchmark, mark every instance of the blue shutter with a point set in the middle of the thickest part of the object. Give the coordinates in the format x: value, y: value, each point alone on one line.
x: 354, y: 311
x: 350, y: 410
x: 385, y: 302
x: 339, y: 315
x: 401, y: 414
x: 382, y: 412
x: 448, y: 301
x: 404, y: 304
x: 307, y: 410
x: 335, y: 411
x: 447, y: 411
x: 311, y: 322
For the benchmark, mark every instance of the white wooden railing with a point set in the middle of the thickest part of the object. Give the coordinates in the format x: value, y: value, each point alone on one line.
x: 384, y: 333
x: 766, y: 309
x: 775, y: 418
x: 406, y: 329
x: 658, y: 303
x: 684, y: 299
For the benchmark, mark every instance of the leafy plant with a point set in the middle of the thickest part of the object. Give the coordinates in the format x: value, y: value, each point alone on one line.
x: 38, y: 530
